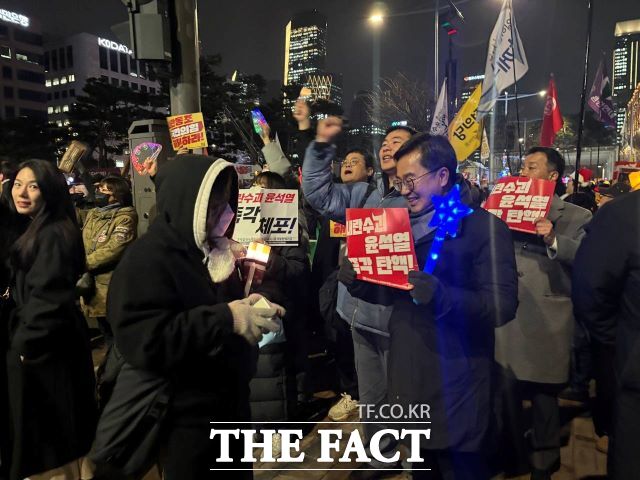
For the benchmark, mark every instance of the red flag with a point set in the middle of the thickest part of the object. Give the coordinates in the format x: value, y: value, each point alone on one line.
x: 552, y: 119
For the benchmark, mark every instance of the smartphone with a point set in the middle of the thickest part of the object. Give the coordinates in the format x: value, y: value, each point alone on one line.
x: 258, y: 121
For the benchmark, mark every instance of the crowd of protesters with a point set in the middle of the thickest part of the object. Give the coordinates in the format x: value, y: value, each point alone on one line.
x: 504, y: 316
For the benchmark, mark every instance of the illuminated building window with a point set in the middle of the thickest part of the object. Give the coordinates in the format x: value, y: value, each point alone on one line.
x: 47, y: 83
x: 49, y: 110
x: 56, y: 81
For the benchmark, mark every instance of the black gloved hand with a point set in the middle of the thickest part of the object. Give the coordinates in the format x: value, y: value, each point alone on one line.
x: 346, y: 274
x: 424, y: 287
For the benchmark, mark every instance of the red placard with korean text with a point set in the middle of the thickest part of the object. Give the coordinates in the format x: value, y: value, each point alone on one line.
x: 520, y: 201
x: 380, y: 245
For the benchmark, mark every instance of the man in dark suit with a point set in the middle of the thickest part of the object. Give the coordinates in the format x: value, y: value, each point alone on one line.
x: 535, y: 348
x: 442, y: 330
x: 606, y: 288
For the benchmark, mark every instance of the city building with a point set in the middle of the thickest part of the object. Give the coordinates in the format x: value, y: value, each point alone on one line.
x: 245, y: 89
x: 70, y: 61
x: 325, y: 86
x: 469, y: 84
x: 625, y: 67
x: 630, y: 133
x: 305, y: 46
x: 21, y: 62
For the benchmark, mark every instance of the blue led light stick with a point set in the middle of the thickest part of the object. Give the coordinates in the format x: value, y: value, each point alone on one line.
x: 449, y: 213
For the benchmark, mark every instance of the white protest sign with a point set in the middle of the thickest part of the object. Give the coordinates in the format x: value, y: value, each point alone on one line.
x: 269, y: 214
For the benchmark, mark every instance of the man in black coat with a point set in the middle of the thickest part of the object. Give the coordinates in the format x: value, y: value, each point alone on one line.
x: 606, y: 288
x: 174, y: 306
x: 442, y: 330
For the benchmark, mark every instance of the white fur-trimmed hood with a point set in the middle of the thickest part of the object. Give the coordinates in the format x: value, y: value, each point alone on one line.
x: 220, y: 260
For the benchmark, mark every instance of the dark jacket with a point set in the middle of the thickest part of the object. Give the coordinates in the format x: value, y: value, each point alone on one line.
x: 168, y: 315
x: 51, y: 392
x: 286, y: 282
x: 442, y: 354
x: 268, y: 397
x: 331, y: 200
x: 606, y: 284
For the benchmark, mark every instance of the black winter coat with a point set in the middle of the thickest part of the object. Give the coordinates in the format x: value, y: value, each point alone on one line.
x: 169, y: 317
x: 286, y: 282
x: 441, y: 354
x: 268, y: 397
x: 606, y: 284
x: 52, y: 392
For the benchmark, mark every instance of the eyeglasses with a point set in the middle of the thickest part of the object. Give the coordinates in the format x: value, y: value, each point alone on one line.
x: 350, y: 163
x: 409, y: 183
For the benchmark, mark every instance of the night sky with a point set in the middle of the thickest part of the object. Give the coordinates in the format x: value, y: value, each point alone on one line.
x: 249, y: 34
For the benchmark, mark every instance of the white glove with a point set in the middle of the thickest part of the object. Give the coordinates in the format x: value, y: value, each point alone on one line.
x: 250, y: 322
x: 256, y: 297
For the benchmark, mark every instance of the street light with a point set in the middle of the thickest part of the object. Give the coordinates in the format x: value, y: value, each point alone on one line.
x: 376, y: 19
x: 378, y: 15
x: 506, y: 98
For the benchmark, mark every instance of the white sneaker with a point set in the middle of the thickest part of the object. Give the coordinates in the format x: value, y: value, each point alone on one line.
x: 276, y: 445
x: 341, y: 410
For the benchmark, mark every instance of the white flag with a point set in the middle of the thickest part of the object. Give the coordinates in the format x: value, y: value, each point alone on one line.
x: 503, y: 57
x: 440, y: 122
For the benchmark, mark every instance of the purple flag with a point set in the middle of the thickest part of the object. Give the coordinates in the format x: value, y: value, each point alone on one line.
x: 600, y: 97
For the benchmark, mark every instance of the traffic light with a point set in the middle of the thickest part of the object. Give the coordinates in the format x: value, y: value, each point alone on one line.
x: 445, y: 22
x: 149, y: 29
x: 446, y: 19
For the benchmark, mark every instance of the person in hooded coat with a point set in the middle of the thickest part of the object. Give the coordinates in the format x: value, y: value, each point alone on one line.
x: 176, y: 308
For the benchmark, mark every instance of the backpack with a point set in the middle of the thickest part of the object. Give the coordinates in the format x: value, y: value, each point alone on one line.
x: 129, y: 429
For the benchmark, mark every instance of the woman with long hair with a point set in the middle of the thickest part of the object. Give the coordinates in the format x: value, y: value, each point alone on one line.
x: 50, y: 374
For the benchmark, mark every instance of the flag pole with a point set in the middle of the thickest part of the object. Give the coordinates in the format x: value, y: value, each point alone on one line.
x: 515, y: 86
x: 584, y: 94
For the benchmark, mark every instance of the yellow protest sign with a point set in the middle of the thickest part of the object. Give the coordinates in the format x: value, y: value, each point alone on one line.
x: 187, y: 131
x: 337, y: 230
x: 464, y: 131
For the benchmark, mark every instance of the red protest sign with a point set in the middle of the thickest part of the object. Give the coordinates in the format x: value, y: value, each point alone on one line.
x: 380, y: 245
x: 520, y: 201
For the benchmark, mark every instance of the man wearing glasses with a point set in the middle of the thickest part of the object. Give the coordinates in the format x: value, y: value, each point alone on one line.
x: 368, y: 320
x: 442, y: 330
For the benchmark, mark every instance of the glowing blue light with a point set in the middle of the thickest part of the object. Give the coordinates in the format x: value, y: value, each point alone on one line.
x: 449, y: 213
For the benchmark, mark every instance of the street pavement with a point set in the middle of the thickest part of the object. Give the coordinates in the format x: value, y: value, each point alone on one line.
x: 580, y: 459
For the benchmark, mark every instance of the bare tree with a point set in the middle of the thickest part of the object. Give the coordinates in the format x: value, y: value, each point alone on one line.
x: 399, y: 98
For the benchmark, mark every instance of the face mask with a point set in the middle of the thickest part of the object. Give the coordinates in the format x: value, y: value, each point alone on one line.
x: 223, y: 222
x: 101, y: 200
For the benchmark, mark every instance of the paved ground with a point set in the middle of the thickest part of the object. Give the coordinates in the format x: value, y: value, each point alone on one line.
x: 580, y: 459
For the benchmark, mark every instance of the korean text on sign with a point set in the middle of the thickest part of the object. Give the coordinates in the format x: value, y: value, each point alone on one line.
x: 187, y: 131
x: 520, y: 201
x: 380, y: 245
x: 270, y: 215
